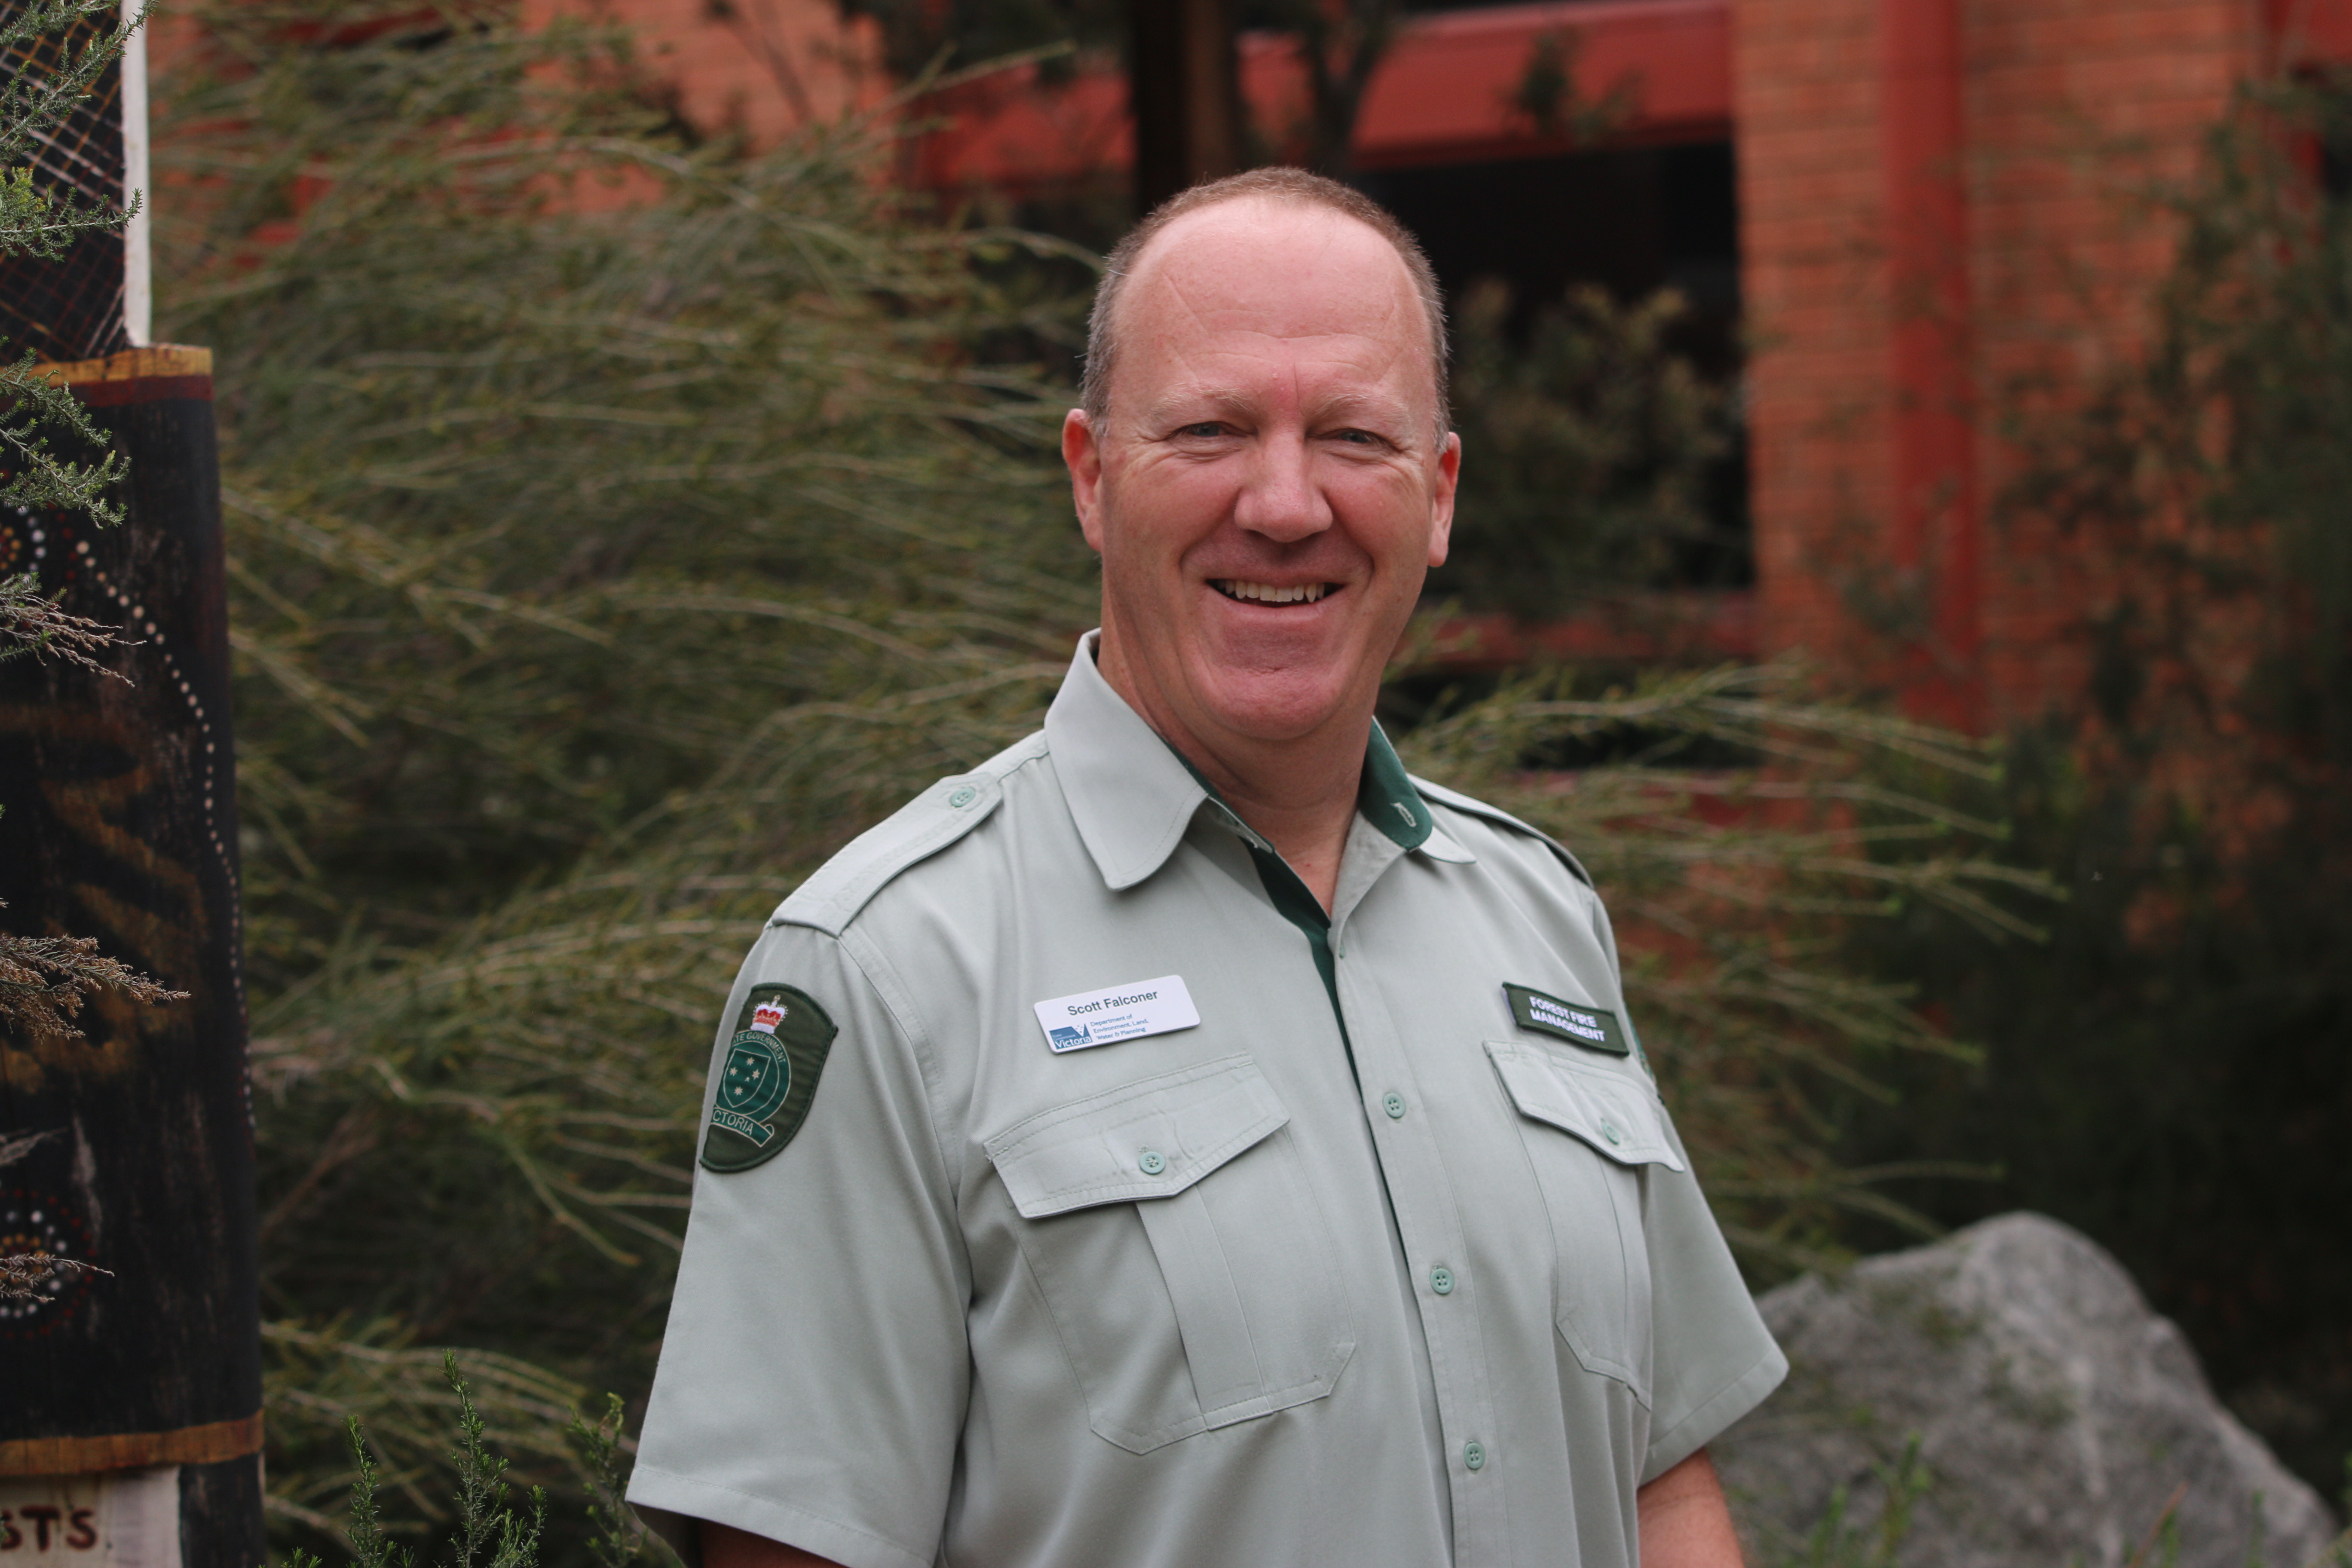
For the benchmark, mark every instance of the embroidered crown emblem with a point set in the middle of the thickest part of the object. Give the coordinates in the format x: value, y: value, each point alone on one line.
x: 766, y: 1076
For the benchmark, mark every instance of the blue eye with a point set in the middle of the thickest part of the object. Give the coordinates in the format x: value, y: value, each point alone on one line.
x: 1204, y: 431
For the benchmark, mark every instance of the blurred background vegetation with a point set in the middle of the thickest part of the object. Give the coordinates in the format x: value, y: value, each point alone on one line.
x: 619, y: 522
x: 2172, y: 1071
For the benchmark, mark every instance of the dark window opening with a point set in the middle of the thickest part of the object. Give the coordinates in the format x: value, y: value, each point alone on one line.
x: 1632, y: 220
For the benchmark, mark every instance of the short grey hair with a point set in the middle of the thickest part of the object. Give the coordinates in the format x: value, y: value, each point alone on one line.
x: 1291, y: 188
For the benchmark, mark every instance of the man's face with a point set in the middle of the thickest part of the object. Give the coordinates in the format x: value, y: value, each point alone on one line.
x: 1268, y: 488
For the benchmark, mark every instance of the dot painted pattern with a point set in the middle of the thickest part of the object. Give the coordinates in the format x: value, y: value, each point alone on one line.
x: 57, y: 552
x: 41, y: 1225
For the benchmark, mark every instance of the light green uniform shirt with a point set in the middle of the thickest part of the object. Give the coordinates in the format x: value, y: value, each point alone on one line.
x: 1440, y: 1288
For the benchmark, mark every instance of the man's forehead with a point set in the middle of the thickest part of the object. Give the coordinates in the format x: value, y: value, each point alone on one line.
x: 1254, y: 267
x: 1232, y: 235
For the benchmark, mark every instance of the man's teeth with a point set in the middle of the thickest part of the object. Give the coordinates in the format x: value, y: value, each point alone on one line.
x: 1267, y: 594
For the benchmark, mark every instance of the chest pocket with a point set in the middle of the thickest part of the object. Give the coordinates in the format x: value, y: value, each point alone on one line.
x: 1590, y: 1131
x: 1179, y: 1251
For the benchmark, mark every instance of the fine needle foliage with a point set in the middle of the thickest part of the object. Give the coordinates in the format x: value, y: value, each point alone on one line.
x: 617, y: 524
x: 63, y: 47
x: 44, y: 980
x: 34, y: 625
x: 616, y: 1536
x: 489, y: 1532
x: 24, y: 1275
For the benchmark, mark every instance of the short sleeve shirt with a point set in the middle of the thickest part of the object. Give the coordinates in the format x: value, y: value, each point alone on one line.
x: 1436, y: 1287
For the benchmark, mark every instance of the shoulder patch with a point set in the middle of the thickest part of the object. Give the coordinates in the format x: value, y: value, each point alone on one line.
x: 833, y: 893
x: 1472, y: 806
x: 768, y: 1078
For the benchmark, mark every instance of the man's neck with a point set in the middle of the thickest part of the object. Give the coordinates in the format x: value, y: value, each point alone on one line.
x: 1298, y: 794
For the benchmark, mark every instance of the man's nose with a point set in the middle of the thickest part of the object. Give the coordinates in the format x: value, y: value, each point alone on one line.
x: 1280, y: 498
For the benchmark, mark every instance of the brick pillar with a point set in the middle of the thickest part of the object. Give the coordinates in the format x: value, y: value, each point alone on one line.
x: 1806, y: 104
x: 2074, y: 109
x: 1936, y: 517
x: 1942, y: 233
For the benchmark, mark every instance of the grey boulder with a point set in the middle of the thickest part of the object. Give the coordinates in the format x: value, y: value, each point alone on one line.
x: 2056, y: 1418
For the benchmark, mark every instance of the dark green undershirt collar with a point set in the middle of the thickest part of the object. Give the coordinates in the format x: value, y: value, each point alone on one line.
x: 1386, y: 799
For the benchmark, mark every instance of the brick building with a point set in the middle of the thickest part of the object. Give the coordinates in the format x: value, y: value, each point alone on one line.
x: 1918, y: 212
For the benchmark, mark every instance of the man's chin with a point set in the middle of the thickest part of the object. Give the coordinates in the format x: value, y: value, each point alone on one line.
x: 1273, y: 706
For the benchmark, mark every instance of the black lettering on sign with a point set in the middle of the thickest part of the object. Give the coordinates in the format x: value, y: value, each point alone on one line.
x: 10, y: 1536
x: 83, y: 1534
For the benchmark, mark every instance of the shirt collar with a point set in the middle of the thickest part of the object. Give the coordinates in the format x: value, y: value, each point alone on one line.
x: 1387, y: 798
x: 1132, y: 796
x: 1129, y: 794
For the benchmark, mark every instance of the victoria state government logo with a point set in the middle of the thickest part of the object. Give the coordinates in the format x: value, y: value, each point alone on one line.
x: 767, y: 1079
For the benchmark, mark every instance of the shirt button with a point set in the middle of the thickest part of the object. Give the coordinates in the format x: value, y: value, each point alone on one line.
x: 1609, y: 1131
x: 1441, y: 1280
x: 964, y: 797
x: 1152, y: 1163
x: 1475, y: 1454
x: 1394, y: 1104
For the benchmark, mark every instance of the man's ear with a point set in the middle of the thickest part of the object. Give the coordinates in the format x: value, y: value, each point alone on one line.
x: 1082, y: 454
x: 1441, y: 501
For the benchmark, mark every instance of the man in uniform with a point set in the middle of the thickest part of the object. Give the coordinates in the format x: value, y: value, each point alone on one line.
x: 1185, y: 1139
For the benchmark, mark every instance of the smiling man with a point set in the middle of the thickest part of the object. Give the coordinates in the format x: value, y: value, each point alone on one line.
x: 1186, y: 1138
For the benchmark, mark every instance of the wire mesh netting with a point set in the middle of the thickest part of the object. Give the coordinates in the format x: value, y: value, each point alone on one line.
x: 69, y: 309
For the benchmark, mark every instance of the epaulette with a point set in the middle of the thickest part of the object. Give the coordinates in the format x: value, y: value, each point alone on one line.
x: 926, y: 825
x: 1479, y: 808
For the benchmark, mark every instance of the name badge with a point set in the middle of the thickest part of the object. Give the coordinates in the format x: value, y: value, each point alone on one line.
x: 1117, y: 1013
x: 1594, y: 1026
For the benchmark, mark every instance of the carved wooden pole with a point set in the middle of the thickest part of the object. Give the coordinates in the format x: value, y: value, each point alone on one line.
x: 130, y: 1400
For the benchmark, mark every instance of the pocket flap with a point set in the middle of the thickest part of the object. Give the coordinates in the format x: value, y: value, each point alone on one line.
x: 1151, y: 1138
x: 1606, y: 1108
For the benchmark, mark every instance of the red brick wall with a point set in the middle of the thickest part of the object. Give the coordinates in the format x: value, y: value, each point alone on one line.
x: 2069, y: 109
x: 1806, y: 104
x: 2074, y: 108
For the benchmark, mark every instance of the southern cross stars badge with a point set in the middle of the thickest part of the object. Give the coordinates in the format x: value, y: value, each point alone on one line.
x: 767, y: 1079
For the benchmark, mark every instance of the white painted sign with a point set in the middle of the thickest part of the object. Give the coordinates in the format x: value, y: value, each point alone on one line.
x: 1117, y: 1013
x: 122, y: 1519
